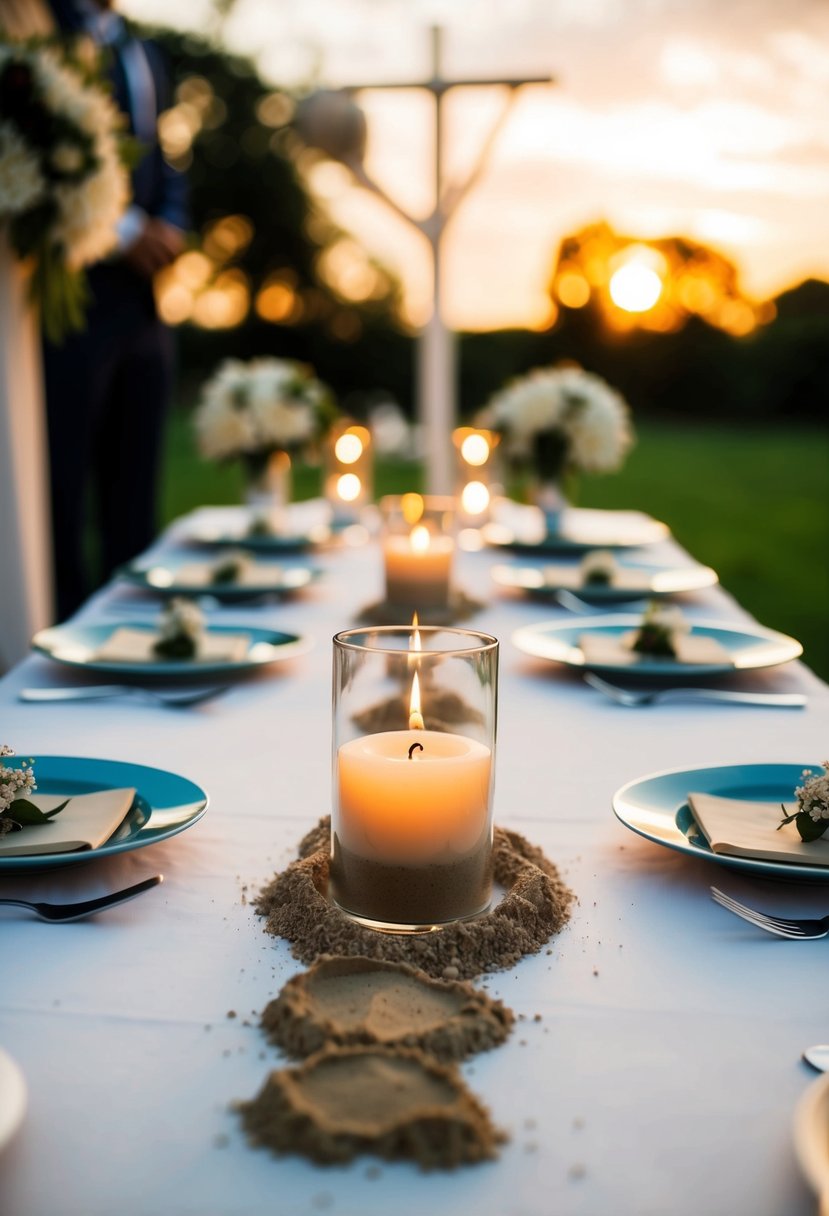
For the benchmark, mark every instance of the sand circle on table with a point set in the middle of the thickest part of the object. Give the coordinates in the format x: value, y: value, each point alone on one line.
x: 536, y: 905
x: 392, y: 1102
x: 344, y: 1001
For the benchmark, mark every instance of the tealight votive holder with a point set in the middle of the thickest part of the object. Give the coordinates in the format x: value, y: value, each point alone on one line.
x: 418, y: 549
x: 414, y: 725
x: 476, y: 474
x: 348, y: 476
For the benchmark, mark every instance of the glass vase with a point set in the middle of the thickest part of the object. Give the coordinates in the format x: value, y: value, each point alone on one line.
x: 550, y: 451
x: 268, y: 489
x: 414, y: 722
x: 551, y: 501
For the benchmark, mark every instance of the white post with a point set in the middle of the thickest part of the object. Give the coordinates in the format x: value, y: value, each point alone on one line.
x: 436, y: 382
x: 436, y: 375
x: 25, y: 581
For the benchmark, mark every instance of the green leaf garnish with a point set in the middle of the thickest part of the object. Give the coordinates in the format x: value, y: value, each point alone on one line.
x: 809, y: 829
x: 26, y: 814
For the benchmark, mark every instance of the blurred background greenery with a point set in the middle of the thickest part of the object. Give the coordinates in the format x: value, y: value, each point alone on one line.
x: 728, y: 394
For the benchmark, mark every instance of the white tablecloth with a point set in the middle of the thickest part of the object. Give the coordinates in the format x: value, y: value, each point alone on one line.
x: 661, y: 1078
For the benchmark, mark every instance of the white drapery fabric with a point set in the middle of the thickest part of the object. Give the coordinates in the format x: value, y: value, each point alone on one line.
x: 25, y: 581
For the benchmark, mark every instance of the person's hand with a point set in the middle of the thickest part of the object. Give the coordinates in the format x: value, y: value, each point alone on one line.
x: 157, y: 246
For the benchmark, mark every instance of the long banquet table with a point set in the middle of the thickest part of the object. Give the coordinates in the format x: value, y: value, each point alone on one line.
x: 664, y: 1070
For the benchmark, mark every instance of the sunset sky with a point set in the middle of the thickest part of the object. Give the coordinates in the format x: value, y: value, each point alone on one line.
x: 703, y: 118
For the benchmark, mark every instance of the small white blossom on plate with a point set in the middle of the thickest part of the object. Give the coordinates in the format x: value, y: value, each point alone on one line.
x: 14, y: 782
x: 812, y: 815
x: 598, y: 566
x: 180, y: 628
x: 661, y: 628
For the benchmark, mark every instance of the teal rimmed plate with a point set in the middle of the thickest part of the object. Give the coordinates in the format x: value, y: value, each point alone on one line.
x: 164, y: 805
x: 656, y: 807
x: 77, y: 645
x: 640, y: 580
x: 169, y: 576
x: 266, y: 543
x: 746, y: 648
x: 523, y: 530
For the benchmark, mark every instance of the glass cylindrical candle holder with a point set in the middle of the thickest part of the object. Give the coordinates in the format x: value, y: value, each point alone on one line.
x: 476, y: 473
x: 414, y: 724
x: 348, y: 470
x: 418, y: 549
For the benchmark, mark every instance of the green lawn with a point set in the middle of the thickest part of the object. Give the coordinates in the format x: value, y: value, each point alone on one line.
x: 752, y: 502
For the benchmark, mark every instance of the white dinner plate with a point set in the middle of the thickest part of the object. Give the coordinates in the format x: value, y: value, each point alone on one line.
x: 523, y: 530
x: 811, y: 1137
x: 651, y: 581
x: 12, y: 1097
x: 747, y: 647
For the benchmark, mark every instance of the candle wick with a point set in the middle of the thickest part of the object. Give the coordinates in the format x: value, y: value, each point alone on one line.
x: 414, y: 745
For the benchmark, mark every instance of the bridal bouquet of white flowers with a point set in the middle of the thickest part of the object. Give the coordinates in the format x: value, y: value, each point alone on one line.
x: 559, y: 420
x: 251, y: 410
x: 63, y: 182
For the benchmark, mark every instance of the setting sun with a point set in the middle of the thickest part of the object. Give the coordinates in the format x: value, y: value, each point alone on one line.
x: 635, y: 287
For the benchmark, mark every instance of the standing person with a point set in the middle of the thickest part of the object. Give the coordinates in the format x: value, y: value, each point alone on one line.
x: 108, y: 387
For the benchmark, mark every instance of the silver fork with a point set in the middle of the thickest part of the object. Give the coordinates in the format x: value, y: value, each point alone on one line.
x: 174, y: 698
x: 88, y: 907
x: 652, y: 696
x: 802, y: 930
x: 574, y: 603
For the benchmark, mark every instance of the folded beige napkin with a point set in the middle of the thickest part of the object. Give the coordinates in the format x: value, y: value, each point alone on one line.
x: 85, y: 823
x: 614, y: 650
x: 200, y: 574
x: 127, y: 645
x: 571, y: 578
x: 749, y: 829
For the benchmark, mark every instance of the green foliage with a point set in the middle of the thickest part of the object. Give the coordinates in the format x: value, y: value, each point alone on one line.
x: 779, y: 371
x: 25, y: 814
x: 243, y: 162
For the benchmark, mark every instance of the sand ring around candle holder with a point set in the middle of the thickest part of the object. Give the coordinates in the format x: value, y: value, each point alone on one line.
x: 460, y: 608
x: 535, y: 906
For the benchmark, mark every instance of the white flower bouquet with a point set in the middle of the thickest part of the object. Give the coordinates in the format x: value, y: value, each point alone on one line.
x: 559, y: 420
x: 251, y: 410
x: 63, y: 181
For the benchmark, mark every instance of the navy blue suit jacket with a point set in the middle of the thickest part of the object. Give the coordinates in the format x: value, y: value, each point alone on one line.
x: 157, y: 187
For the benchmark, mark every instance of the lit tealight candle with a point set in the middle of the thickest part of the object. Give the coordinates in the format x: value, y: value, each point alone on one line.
x: 418, y: 567
x: 413, y: 840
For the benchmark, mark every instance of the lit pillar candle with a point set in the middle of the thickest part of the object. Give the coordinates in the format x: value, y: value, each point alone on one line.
x: 413, y: 841
x: 418, y: 567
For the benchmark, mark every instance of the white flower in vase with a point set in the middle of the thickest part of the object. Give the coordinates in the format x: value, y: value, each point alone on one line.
x: 557, y: 421
x: 261, y: 413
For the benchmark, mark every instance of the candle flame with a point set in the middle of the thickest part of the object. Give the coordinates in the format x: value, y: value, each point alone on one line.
x: 412, y: 506
x: 415, y: 716
x: 419, y: 539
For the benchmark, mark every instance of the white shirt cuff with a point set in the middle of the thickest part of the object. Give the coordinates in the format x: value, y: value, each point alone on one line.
x: 130, y: 226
